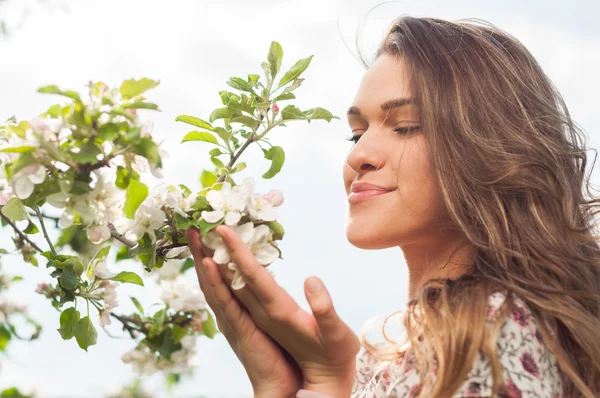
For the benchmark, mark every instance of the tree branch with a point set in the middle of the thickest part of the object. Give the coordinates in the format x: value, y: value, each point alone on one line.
x: 21, y: 234
x: 41, y: 218
x: 118, y: 236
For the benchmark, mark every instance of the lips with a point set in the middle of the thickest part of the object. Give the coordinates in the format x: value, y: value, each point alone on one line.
x: 362, y: 190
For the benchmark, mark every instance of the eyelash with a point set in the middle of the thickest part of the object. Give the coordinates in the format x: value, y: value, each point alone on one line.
x: 400, y: 130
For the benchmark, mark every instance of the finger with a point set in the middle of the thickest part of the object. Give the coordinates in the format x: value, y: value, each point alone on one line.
x: 193, y: 237
x: 230, y: 307
x: 256, y: 276
x: 331, y: 328
x: 245, y: 295
x: 310, y: 394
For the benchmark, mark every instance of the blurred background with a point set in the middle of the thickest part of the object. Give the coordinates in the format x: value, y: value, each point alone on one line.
x: 194, y: 47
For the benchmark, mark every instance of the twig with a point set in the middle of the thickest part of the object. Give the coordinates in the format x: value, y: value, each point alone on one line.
x: 41, y: 218
x: 126, y: 324
x: 118, y: 236
x: 55, y: 219
x: 21, y: 234
x: 161, y: 249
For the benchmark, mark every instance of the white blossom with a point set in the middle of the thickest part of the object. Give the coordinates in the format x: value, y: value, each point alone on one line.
x: 258, y: 239
x: 101, y: 271
x: 24, y: 181
x: 147, y: 219
x: 181, y: 294
x: 228, y: 203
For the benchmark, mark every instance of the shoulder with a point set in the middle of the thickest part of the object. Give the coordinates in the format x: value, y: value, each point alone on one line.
x: 529, y: 368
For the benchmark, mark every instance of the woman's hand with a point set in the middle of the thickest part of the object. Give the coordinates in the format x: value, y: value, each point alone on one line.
x: 323, y: 345
x: 270, y: 369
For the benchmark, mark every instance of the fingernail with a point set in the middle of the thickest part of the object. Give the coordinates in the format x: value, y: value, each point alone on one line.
x: 220, y: 230
x: 314, y: 286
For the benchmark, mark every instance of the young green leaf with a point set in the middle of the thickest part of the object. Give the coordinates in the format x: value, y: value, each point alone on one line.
x: 290, y: 112
x: 209, y: 329
x: 67, y: 279
x: 56, y: 90
x: 132, y: 88
x: 68, y: 320
x: 275, y: 56
x: 200, y: 136
x: 128, y: 277
x: 194, y: 121
x: 207, y: 179
x: 31, y: 228
x: 247, y: 121
x: 137, y: 191
x: 295, y: 71
x: 319, y: 113
x: 137, y: 305
x: 240, y: 84
x: 14, y: 210
x: 85, y: 333
x: 221, y: 113
x: 277, y: 157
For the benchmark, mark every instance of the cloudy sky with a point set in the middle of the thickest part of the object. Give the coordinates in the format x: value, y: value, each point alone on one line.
x: 193, y: 47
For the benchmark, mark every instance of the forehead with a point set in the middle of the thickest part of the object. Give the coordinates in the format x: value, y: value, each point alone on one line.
x: 386, y: 79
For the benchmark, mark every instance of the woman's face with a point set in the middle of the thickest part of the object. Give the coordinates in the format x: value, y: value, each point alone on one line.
x: 410, y: 211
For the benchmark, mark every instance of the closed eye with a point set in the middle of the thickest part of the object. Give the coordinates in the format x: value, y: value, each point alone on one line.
x: 400, y: 130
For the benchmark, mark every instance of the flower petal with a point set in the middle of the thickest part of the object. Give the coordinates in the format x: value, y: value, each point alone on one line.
x: 212, y: 240
x: 262, y: 233
x: 267, y: 254
x: 212, y: 216
x: 232, y: 218
x: 268, y: 214
x: 221, y: 255
x: 246, y: 232
x: 66, y: 219
x: 23, y: 187
x: 215, y: 198
x: 38, y: 176
x: 238, y: 281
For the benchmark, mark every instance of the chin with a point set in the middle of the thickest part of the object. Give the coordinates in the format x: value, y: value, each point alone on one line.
x: 366, y: 240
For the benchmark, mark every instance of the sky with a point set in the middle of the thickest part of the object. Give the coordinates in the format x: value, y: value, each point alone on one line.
x: 193, y: 48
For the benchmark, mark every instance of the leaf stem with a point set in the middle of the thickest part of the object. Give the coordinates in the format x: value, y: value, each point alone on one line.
x: 41, y: 218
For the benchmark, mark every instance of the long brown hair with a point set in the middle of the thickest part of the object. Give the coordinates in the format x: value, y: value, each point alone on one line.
x: 510, y: 164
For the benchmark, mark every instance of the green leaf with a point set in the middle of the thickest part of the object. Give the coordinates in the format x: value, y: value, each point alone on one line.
x: 277, y: 157
x: 146, y: 252
x: 131, y: 88
x: 215, y: 152
x: 187, y: 264
x: 149, y: 149
x: 205, y: 227
x: 54, y: 111
x: 168, y: 345
x: 141, y: 105
x: 56, y: 90
x: 123, y: 177
x: 247, y: 121
x: 137, y: 191
x: 20, y: 149
x: 5, y: 337
x: 19, y: 129
x: 200, y: 136
x: 209, y: 328
x: 284, y: 97
x: 137, y: 305
x: 295, y: 71
x: 14, y: 210
x: 108, y: 132
x: 290, y: 112
x: 68, y: 320
x: 178, y: 333
x: 31, y: 228
x: 275, y: 56
x: 207, y: 179
x: 295, y: 85
x: 194, y: 121
x: 217, y: 162
x: 67, y: 279
x: 88, y: 153
x: 128, y: 277
x: 159, y: 318
x: 12, y: 392
x: 20, y: 163
x: 221, y: 113
x: 224, y: 134
x: 319, y: 113
x: 253, y: 79
x: 85, y: 333
x: 240, y: 84
x: 267, y: 68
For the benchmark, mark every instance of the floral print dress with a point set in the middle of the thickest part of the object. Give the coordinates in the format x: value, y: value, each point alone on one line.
x: 530, y: 369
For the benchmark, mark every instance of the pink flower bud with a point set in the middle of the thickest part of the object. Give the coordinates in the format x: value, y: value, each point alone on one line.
x: 41, y: 287
x: 275, y: 108
x: 275, y: 196
x: 105, y: 284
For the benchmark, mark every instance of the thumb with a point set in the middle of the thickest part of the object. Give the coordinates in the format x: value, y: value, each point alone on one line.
x: 331, y: 327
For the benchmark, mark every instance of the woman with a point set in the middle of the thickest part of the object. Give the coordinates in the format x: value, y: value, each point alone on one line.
x: 478, y: 172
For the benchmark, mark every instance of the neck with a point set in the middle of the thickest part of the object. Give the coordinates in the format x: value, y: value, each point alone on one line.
x: 437, y: 258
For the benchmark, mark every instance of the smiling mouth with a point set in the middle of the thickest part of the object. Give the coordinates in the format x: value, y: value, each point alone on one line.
x: 356, y: 197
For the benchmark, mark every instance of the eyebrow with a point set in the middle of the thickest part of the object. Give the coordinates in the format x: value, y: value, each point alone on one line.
x: 394, y: 103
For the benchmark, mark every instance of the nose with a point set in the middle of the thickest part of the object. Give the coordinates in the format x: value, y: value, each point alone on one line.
x: 366, y: 154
